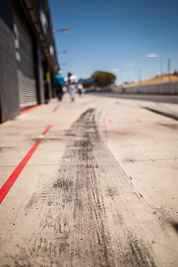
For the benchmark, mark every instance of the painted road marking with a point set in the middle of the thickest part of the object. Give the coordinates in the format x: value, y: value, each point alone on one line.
x: 137, y: 120
x: 110, y: 121
x: 28, y: 109
x: 54, y: 110
x: 41, y: 136
x: 13, y: 177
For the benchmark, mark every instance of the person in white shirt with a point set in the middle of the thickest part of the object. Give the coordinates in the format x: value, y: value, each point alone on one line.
x: 71, y: 83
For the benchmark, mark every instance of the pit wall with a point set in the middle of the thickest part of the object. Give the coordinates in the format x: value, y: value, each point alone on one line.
x: 160, y: 88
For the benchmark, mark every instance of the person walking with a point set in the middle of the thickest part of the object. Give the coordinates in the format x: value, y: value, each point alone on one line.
x: 58, y: 83
x: 71, y: 82
x: 80, y: 87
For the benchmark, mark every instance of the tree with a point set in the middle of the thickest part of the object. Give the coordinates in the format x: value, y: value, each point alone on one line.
x: 104, y: 78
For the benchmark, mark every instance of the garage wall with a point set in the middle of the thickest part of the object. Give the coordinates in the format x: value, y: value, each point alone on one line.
x: 9, y: 101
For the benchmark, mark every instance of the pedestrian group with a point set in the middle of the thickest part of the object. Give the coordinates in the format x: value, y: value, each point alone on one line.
x: 70, y: 82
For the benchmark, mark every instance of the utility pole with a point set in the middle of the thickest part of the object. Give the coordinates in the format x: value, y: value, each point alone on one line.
x: 139, y: 75
x: 169, y: 68
x: 161, y: 69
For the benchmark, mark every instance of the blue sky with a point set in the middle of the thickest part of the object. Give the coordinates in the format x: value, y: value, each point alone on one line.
x: 114, y: 36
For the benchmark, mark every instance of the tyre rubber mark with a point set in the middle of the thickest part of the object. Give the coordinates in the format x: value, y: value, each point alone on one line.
x: 89, y: 209
x: 13, y: 177
x: 172, y: 116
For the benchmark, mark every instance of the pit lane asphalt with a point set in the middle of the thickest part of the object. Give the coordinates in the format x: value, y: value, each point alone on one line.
x: 99, y: 189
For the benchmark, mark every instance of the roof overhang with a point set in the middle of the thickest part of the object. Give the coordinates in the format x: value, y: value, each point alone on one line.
x: 33, y: 16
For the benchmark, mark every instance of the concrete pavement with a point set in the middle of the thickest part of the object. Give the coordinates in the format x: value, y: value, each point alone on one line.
x: 132, y: 154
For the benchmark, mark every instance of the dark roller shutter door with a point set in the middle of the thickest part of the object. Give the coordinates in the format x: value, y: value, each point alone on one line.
x: 25, y: 63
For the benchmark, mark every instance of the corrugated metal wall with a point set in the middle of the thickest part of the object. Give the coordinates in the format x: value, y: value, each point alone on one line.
x: 25, y: 63
x: 9, y: 100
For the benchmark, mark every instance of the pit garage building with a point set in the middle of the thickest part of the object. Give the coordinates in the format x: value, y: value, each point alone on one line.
x: 28, y: 59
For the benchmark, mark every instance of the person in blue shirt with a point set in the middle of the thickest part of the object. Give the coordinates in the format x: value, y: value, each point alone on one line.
x: 58, y: 83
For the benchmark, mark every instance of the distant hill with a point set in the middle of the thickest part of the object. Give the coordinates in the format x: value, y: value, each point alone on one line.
x: 158, y: 79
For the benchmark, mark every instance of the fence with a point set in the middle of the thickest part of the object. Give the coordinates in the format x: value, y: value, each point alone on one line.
x: 160, y: 88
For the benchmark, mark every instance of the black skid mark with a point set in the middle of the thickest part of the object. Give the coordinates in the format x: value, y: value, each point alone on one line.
x: 74, y: 230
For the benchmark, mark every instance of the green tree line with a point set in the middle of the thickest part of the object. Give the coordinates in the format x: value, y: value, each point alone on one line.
x: 104, y: 78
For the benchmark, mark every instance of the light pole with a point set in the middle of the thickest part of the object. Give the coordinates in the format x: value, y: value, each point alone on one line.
x: 169, y: 69
x: 139, y: 75
x: 60, y: 30
x: 156, y: 55
x: 131, y: 65
x: 116, y: 70
x: 63, y: 52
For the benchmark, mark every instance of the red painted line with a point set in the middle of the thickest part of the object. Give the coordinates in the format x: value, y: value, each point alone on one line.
x: 28, y: 109
x: 54, y: 110
x: 137, y: 120
x: 13, y: 177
